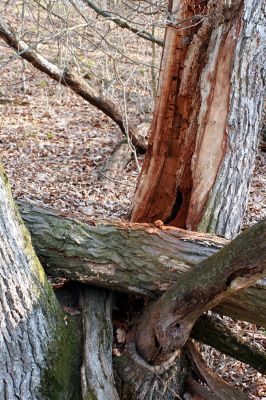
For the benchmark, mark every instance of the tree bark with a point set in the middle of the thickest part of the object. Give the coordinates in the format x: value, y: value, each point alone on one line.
x: 204, y: 133
x: 97, y: 371
x: 116, y: 164
x: 167, y: 323
x: 137, y: 258
x: 138, y: 380
x: 36, y: 359
x: 214, y: 332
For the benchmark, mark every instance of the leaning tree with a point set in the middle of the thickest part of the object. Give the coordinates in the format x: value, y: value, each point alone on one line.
x: 196, y: 176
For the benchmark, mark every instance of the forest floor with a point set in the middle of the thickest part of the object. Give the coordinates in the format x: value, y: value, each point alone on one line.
x: 54, y: 147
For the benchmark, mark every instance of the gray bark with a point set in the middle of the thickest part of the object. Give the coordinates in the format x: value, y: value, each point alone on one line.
x: 228, y: 198
x: 167, y: 323
x: 97, y: 371
x: 214, y: 332
x: 31, y: 322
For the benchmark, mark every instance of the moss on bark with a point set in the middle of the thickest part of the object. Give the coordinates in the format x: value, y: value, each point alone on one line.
x: 61, y: 377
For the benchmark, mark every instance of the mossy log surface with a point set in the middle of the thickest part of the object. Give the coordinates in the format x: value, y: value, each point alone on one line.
x: 136, y: 258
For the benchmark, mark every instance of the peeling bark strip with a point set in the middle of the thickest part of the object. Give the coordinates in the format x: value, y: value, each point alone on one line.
x: 135, y: 258
x: 69, y: 79
x: 167, y: 323
x: 205, y: 126
x: 32, y: 331
x: 216, y: 388
x: 97, y: 379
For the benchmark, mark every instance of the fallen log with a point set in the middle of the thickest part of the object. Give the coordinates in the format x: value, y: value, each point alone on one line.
x: 137, y: 258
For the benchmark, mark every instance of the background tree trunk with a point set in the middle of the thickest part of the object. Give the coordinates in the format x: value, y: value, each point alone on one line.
x: 39, y: 353
x: 204, y: 134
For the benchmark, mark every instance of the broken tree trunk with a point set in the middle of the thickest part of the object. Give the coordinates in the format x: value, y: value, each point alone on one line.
x: 97, y: 380
x: 116, y: 165
x: 39, y: 353
x: 204, y: 133
x: 138, y: 380
x: 167, y: 323
x: 136, y: 258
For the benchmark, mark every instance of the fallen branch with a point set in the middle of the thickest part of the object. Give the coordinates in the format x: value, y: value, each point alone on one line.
x: 215, y: 333
x: 69, y: 79
x: 167, y: 323
x: 136, y: 258
x: 216, y: 389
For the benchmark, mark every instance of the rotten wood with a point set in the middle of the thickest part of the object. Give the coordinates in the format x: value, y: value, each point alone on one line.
x: 97, y: 379
x: 137, y: 258
x: 167, y: 323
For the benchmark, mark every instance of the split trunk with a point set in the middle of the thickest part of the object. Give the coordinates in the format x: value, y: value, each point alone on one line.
x: 204, y: 134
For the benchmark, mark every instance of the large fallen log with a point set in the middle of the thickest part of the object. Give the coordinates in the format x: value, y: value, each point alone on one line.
x: 137, y: 258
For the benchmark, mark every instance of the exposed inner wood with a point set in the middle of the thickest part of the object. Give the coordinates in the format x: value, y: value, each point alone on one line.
x: 166, y: 158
